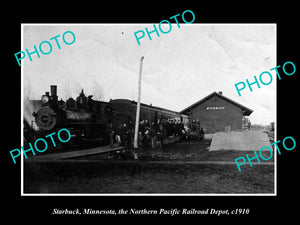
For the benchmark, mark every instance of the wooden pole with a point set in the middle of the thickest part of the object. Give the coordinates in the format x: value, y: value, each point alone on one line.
x: 137, y: 118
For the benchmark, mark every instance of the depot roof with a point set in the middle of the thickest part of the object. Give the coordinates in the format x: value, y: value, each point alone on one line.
x: 246, y: 110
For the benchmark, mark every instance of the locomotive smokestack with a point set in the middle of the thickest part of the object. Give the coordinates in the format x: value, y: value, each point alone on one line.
x: 53, y: 89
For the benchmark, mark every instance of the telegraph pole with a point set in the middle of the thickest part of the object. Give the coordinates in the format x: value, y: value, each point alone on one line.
x: 137, y: 118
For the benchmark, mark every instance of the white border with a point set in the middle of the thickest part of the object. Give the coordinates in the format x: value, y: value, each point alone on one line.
x: 22, y: 114
x: 143, y: 194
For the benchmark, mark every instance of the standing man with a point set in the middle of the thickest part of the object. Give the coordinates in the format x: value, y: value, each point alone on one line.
x: 124, y: 135
x: 152, y: 134
x: 111, y: 133
x: 130, y: 134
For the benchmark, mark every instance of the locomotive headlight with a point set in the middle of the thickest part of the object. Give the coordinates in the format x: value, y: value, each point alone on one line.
x: 45, y: 99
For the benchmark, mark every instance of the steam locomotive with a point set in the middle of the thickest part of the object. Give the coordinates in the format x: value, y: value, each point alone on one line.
x: 89, y: 120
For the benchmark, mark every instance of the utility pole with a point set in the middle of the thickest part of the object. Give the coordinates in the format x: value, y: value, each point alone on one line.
x: 137, y: 118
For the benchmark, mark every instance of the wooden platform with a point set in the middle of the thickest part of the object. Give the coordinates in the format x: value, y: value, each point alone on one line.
x: 85, y: 152
x: 73, y: 154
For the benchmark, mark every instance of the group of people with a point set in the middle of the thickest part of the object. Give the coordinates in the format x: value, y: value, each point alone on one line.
x: 149, y: 135
x: 195, y: 130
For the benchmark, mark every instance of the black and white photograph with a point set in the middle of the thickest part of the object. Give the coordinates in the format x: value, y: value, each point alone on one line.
x: 149, y: 109
x: 146, y: 111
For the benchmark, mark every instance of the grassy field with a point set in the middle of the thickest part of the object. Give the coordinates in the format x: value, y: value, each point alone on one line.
x: 173, y: 169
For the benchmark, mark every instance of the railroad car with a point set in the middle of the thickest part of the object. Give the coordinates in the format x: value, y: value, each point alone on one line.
x: 125, y: 111
x: 90, y: 120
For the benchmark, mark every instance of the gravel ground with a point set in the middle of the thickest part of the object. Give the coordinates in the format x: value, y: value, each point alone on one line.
x: 180, y: 151
x: 141, y: 177
x: 173, y: 169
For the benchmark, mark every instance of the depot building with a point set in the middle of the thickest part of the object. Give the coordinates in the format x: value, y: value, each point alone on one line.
x: 219, y: 113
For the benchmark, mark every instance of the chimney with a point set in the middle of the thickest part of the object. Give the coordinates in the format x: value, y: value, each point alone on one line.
x: 53, y: 89
x: 220, y: 92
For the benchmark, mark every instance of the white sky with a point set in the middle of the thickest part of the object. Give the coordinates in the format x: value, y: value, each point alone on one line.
x: 179, y: 68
